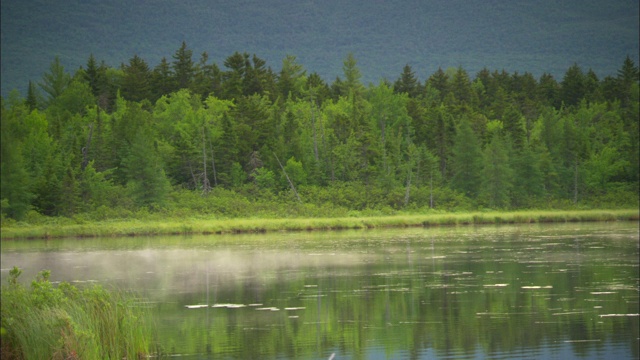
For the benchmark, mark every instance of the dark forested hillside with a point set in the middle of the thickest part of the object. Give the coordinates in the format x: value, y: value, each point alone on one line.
x: 237, y: 138
x: 533, y: 36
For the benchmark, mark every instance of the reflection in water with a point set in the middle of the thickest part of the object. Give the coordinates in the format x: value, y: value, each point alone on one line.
x: 543, y: 291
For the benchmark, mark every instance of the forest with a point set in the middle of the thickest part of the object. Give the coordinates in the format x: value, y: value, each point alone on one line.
x: 190, y: 137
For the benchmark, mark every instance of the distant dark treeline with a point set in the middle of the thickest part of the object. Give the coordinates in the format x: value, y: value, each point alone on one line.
x: 110, y: 141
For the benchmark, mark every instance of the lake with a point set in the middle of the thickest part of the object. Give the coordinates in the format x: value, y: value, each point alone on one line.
x: 510, y: 291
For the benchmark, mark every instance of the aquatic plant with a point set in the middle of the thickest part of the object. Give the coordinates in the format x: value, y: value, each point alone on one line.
x: 65, y: 322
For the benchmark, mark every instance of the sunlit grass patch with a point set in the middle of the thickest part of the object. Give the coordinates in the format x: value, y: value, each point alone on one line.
x: 213, y: 225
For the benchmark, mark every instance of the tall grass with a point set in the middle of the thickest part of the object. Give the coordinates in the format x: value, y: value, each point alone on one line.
x: 64, y: 322
x: 213, y: 225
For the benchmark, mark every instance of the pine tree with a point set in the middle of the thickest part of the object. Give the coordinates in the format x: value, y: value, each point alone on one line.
x: 146, y: 180
x: 627, y: 78
x: 162, y: 80
x: 183, y: 68
x: 91, y: 75
x: 439, y: 81
x: 528, y: 182
x: 226, y: 150
x: 136, y: 82
x: 351, y: 83
x: 514, y: 127
x: 291, y: 78
x: 233, y: 78
x: 32, y: 96
x: 572, y: 88
x: 548, y: 90
x: 407, y: 83
x: 258, y: 78
x: 461, y: 87
x: 15, y: 180
x: 207, y: 78
x: 69, y: 193
x: 55, y: 81
x: 466, y: 161
x: 497, y: 176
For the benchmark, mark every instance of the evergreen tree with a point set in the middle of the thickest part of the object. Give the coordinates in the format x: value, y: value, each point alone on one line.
x: 548, y: 90
x: 292, y: 78
x: 227, y: 150
x: 136, y: 83
x: 351, y: 83
x: 32, y: 96
x: 95, y: 75
x: 233, y: 78
x: 466, y: 161
x: 183, y: 68
x: 15, y: 181
x: 442, y: 132
x: 460, y: 86
x: 258, y: 78
x: 407, y: 83
x: 514, y: 127
x: 572, y: 88
x: 497, y: 176
x: 439, y: 81
x: 207, y: 78
x: 162, y: 80
x: 321, y: 90
x: 55, y: 81
x: 146, y: 180
x: 627, y: 79
x: 69, y: 192
x: 528, y: 182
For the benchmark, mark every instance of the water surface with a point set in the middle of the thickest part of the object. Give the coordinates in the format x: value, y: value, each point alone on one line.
x: 515, y: 291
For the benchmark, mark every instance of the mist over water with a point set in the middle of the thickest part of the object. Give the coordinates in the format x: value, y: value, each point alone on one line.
x: 526, y: 291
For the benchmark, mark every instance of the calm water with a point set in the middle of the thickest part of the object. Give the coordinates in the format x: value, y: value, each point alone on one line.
x: 527, y: 291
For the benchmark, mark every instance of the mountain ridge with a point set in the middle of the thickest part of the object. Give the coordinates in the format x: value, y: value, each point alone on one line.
x: 540, y: 37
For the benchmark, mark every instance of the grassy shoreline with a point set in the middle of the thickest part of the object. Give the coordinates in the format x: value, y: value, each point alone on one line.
x: 113, y: 228
x: 47, y: 321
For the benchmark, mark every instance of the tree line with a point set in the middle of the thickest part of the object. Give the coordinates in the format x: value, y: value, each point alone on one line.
x: 108, y: 139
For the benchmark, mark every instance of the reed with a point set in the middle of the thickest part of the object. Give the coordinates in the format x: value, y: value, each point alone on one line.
x: 64, y: 322
x: 173, y: 226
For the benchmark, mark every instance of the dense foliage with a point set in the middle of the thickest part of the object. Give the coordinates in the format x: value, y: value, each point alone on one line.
x: 189, y: 136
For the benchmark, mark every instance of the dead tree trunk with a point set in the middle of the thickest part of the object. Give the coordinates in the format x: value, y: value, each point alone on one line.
x: 408, y: 190
x: 313, y: 124
x: 85, y: 150
x: 206, y: 187
x: 213, y: 165
x: 288, y: 179
x: 193, y: 175
x: 575, y: 184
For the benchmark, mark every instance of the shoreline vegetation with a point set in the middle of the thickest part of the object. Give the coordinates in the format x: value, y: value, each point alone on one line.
x: 203, y: 226
x: 47, y: 321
